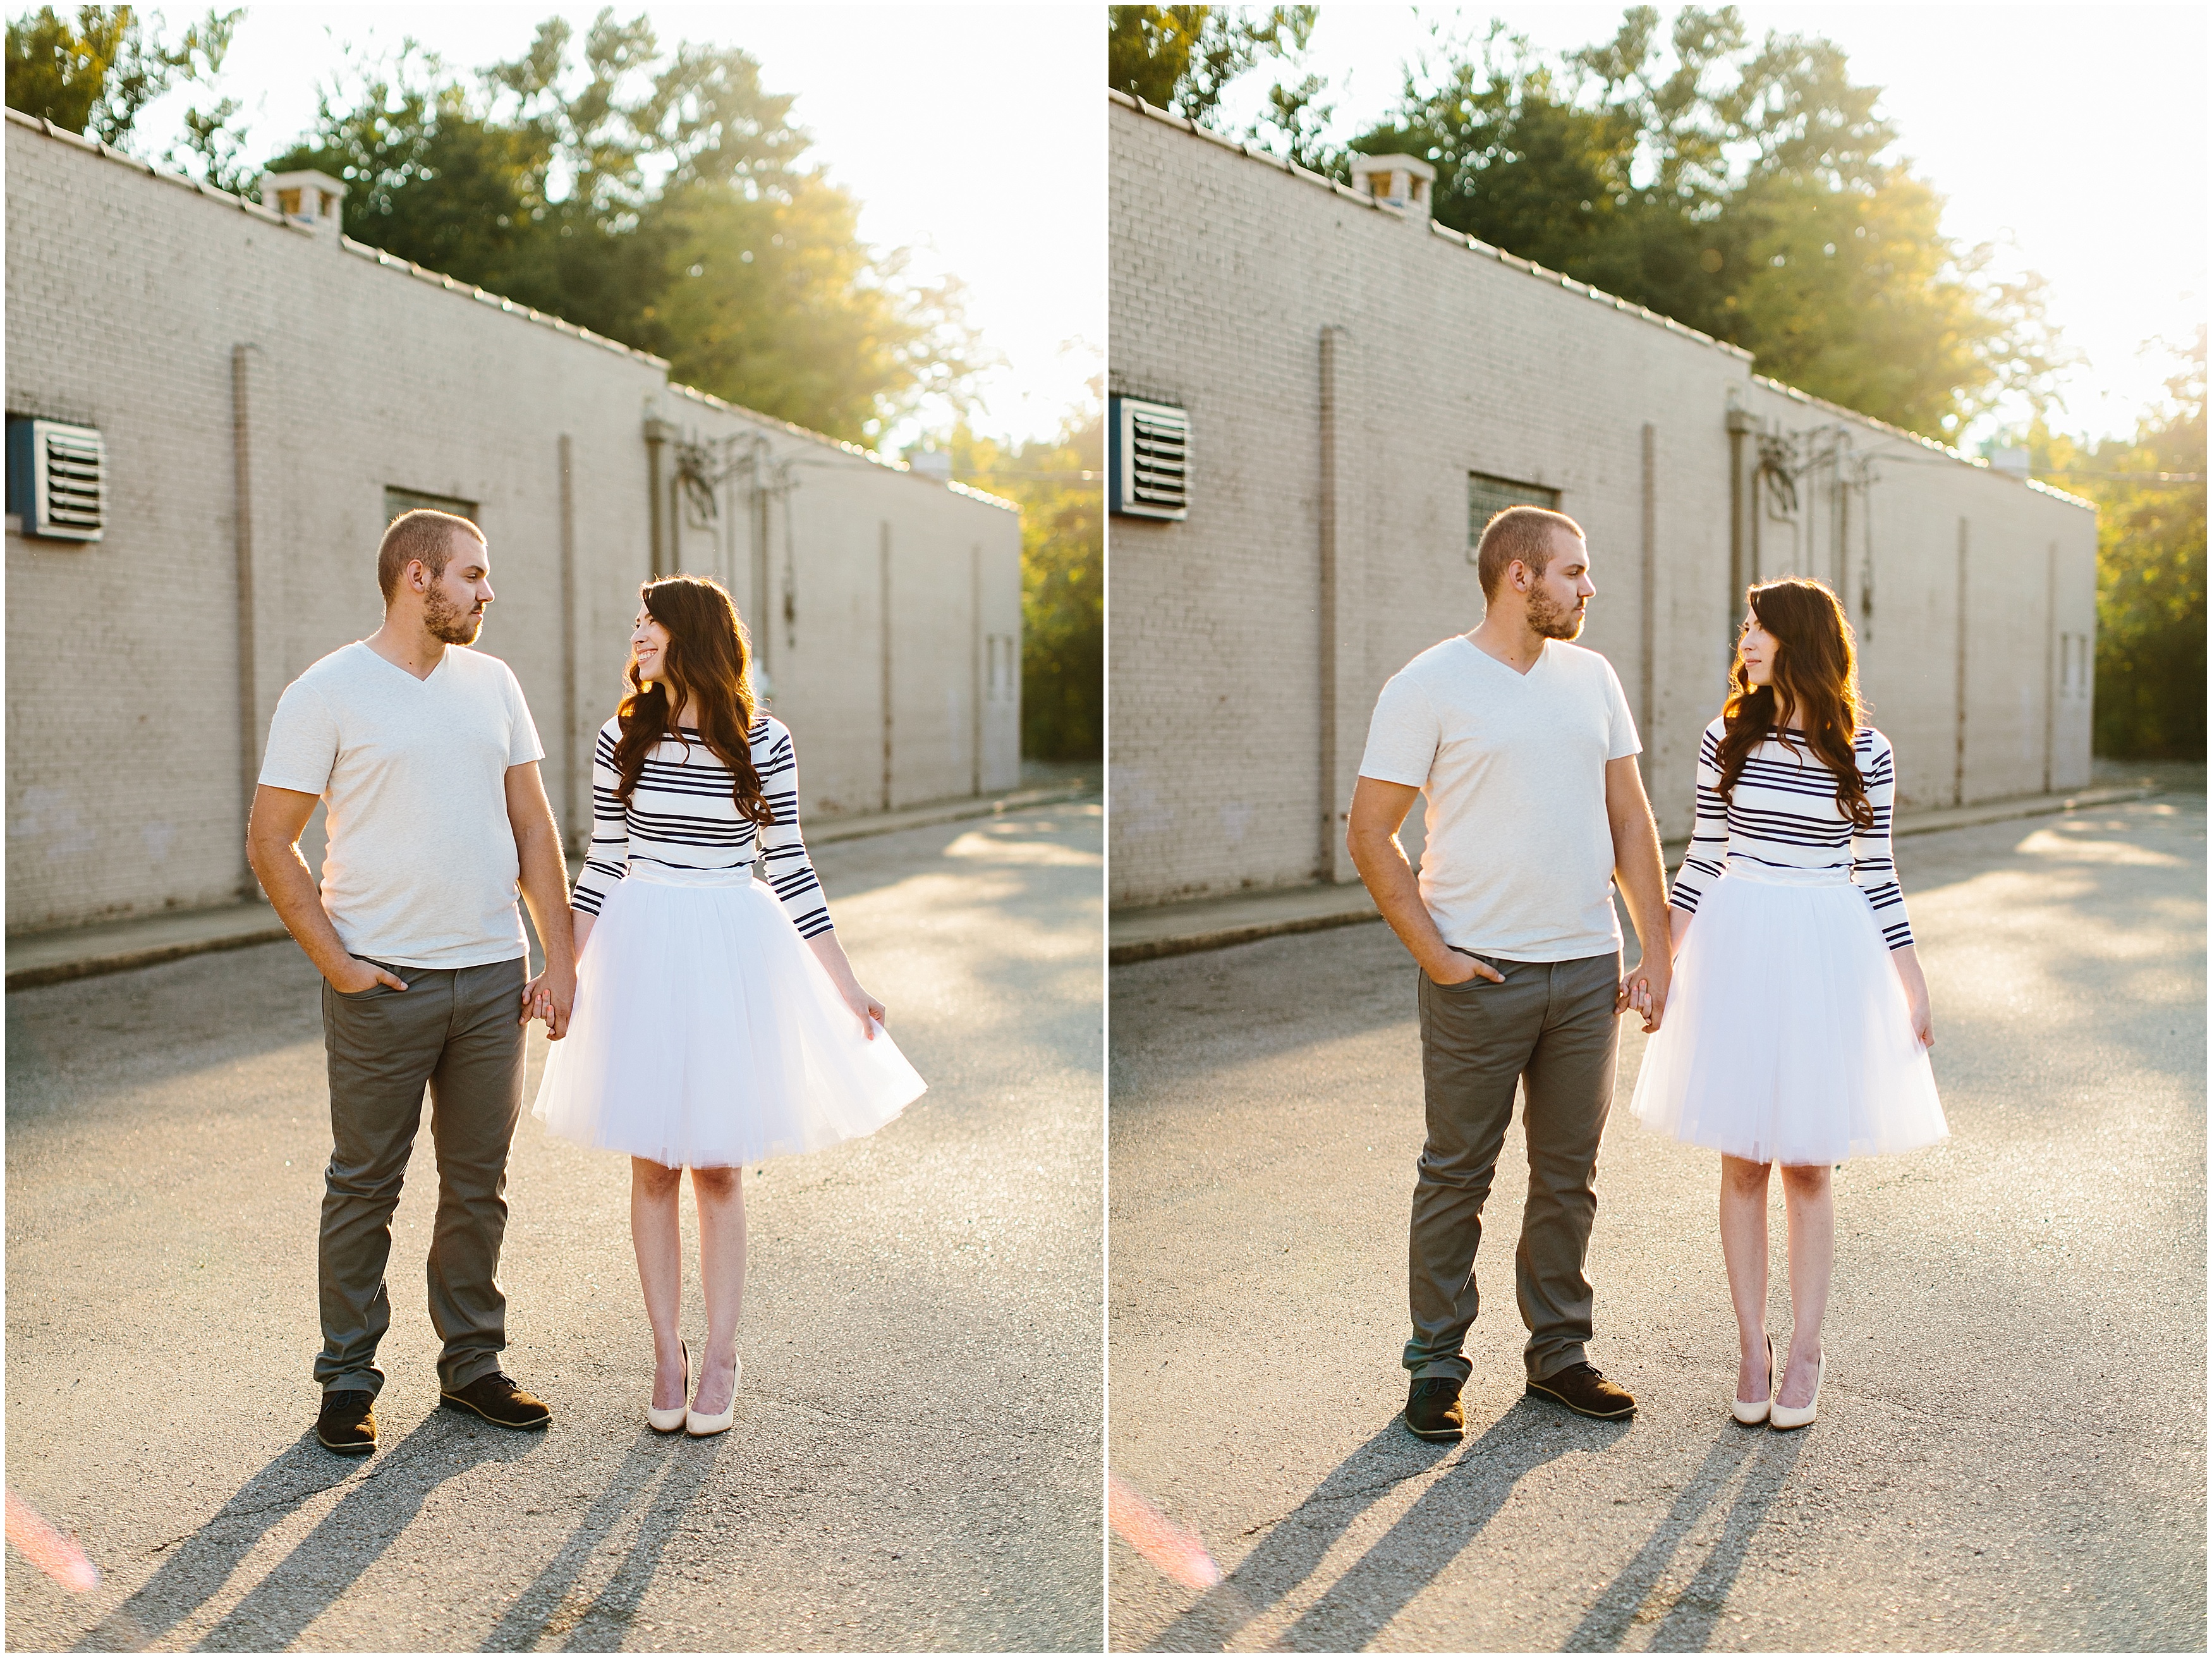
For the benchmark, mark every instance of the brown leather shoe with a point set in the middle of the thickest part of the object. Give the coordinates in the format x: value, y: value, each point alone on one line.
x: 347, y: 1422
x: 496, y: 1399
x: 1434, y: 1410
x: 1587, y: 1393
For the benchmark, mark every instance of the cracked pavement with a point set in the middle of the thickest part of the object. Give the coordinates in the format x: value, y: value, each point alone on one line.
x: 890, y: 1483
x: 2010, y: 1453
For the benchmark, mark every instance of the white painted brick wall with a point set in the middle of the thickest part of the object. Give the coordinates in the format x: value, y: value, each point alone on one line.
x: 127, y: 293
x: 1224, y: 271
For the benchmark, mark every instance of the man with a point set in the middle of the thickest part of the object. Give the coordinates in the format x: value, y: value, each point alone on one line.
x: 1525, y: 748
x: 426, y: 758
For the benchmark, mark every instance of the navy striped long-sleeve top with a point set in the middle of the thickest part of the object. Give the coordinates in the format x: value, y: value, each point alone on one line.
x: 681, y: 814
x: 1782, y: 813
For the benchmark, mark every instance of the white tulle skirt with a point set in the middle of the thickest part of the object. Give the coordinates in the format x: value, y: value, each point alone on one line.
x: 1787, y: 1036
x: 705, y: 1033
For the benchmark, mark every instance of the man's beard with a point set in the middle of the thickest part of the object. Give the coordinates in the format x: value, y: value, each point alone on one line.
x: 1552, y: 620
x: 447, y: 622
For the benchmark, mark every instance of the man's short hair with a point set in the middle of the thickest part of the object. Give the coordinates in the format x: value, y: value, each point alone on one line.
x: 421, y: 533
x: 1521, y: 533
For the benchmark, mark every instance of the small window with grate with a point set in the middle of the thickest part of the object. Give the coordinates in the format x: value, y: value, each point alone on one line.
x: 57, y: 479
x: 1148, y: 463
x: 1003, y: 668
x: 1488, y: 496
x: 397, y: 500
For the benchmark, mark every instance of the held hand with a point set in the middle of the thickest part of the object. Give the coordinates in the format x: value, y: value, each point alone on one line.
x: 1643, y: 993
x: 550, y: 996
x: 1456, y: 967
x: 357, y: 975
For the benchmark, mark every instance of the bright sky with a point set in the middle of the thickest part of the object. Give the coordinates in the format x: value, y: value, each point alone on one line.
x: 2077, y: 132
x: 973, y: 134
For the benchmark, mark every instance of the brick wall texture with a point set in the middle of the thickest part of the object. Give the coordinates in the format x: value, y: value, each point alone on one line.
x: 1449, y: 359
x: 129, y: 296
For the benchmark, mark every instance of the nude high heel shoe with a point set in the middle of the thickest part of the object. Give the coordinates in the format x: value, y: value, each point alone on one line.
x: 668, y: 1421
x: 699, y: 1427
x: 1752, y: 1412
x: 1787, y: 1417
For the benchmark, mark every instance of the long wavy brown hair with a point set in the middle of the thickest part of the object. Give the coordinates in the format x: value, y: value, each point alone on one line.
x: 704, y: 662
x: 1816, y: 670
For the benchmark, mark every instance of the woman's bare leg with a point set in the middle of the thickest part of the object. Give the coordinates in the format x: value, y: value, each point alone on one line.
x: 1809, y: 1195
x: 1743, y: 1247
x: 721, y: 1195
x: 658, y: 1236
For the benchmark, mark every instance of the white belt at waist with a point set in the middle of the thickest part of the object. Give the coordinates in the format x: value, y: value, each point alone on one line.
x: 671, y: 875
x: 1772, y: 874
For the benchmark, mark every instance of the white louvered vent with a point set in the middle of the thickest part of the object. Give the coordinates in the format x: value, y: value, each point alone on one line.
x: 1149, y: 470
x: 57, y: 479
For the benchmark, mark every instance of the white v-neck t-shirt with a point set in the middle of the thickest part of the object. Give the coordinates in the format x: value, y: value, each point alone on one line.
x: 422, y: 866
x: 1518, y: 861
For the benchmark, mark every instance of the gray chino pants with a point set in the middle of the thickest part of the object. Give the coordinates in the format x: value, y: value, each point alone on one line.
x: 1550, y: 1027
x: 457, y: 1031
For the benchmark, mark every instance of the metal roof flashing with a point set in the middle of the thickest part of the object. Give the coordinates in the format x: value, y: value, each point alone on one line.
x: 874, y: 457
x: 378, y: 256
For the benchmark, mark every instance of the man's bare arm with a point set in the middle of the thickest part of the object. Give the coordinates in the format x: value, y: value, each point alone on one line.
x: 1641, y: 876
x: 545, y: 882
x: 272, y: 847
x: 1377, y: 810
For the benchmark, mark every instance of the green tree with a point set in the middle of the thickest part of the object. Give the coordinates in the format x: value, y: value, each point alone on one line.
x: 2149, y: 491
x: 1181, y: 58
x: 95, y: 74
x: 1739, y: 187
x: 772, y: 302
x: 657, y: 198
x: 1059, y: 484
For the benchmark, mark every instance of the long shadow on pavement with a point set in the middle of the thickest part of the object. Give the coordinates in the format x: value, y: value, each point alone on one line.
x: 326, y: 1562
x: 1448, y: 1516
x: 1425, y: 1540
x: 189, y: 1578
x: 352, y: 1536
x: 546, y: 1610
x: 1763, y: 1460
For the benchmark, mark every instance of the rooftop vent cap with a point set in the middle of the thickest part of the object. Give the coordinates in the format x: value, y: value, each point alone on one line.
x: 305, y: 197
x: 930, y: 463
x: 2006, y: 459
x: 57, y: 480
x: 1405, y: 182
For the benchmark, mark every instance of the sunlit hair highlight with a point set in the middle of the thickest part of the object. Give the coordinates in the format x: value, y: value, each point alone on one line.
x: 1816, y: 671
x: 704, y: 662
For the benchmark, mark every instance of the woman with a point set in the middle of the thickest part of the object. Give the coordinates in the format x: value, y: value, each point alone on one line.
x: 1788, y: 1038
x: 717, y: 1021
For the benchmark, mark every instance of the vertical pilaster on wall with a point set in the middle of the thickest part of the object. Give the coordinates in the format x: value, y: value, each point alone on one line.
x: 1739, y: 424
x: 1342, y: 662
x: 2050, y: 663
x: 1959, y: 694
x: 1644, y: 713
x: 249, y: 706
x: 884, y: 614
x: 578, y: 825
x: 976, y: 670
x: 760, y: 579
x: 655, y: 430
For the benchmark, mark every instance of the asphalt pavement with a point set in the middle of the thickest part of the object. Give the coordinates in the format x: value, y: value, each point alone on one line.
x: 916, y: 1459
x: 2010, y: 1453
